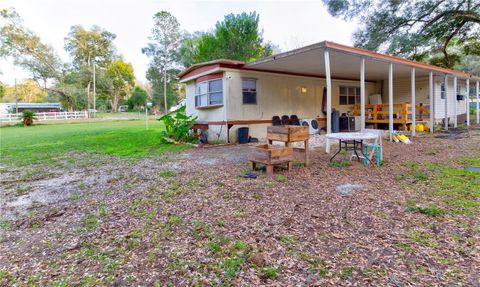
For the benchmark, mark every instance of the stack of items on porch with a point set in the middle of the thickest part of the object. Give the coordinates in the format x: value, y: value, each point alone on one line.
x: 270, y: 155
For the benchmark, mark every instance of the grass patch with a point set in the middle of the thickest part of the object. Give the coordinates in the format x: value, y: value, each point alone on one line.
x: 457, y: 188
x: 232, y: 266
x: 281, y: 178
x: 340, y: 164
x: 431, y: 210
x: 415, y: 171
x: 91, y: 221
x: 287, y: 239
x: 270, y: 272
x: 167, y: 173
x: 43, y: 143
x: 422, y: 238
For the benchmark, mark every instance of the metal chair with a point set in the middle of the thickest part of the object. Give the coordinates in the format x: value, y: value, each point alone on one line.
x: 371, y: 149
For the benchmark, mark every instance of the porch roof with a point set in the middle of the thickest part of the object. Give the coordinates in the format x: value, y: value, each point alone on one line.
x: 345, y: 63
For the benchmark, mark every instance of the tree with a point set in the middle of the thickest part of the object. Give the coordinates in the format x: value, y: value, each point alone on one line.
x: 163, y: 51
x: 158, y: 93
x: 2, y: 91
x: 121, y: 75
x: 86, y: 47
x: 27, y: 49
x: 237, y: 37
x: 28, y: 92
x: 413, y: 29
x: 137, y: 99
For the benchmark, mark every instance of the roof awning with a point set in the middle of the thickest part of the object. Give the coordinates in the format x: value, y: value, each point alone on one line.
x: 345, y: 63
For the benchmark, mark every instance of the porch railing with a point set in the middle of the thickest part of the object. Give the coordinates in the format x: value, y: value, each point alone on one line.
x: 402, y: 113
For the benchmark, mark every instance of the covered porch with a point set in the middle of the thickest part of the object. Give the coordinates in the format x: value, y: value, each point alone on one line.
x: 329, y: 61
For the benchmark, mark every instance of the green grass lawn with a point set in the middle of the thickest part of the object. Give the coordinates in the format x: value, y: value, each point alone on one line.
x: 21, y: 146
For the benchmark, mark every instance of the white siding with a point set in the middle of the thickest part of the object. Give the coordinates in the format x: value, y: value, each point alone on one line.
x: 452, y: 95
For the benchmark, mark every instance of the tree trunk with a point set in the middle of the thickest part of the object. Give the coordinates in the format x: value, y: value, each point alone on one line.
x: 165, y: 90
x: 114, y: 103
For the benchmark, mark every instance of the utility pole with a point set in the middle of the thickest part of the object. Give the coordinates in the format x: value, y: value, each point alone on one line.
x: 16, y: 97
x: 165, y: 88
x: 94, y: 92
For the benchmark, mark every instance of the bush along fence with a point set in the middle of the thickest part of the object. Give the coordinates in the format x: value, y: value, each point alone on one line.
x: 45, y: 116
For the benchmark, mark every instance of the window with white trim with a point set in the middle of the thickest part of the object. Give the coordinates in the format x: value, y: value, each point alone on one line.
x: 209, y: 93
x: 249, y: 90
x: 349, y: 95
x: 442, y: 91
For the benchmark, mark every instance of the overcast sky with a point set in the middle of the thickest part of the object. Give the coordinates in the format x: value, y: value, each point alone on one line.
x: 289, y: 24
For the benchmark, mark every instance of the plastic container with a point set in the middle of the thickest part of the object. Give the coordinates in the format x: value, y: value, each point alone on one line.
x: 242, y: 135
x: 335, y: 121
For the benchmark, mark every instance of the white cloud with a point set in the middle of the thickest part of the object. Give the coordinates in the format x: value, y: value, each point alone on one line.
x: 289, y: 24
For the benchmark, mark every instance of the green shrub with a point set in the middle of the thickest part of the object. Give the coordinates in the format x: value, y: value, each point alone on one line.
x: 28, y: 117
x: 177, y: 126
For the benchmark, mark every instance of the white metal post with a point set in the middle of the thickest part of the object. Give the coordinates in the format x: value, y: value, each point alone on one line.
x: 446, y: 101
x: 414, y: 110
x: 467, y: 102
x: 146, y: 117
x: 44, y: 115
x: 329, y: 97
x: 477, y: 92
x: 430, y: 94
x: 94, y: 92
x: 390, y: 100
x: 362, y: 94
x: 455, y: 93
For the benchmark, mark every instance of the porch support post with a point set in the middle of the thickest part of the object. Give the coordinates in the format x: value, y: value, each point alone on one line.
x: 477, y: 92
x: 362, y: 95
x: 414, y: 111
x: 430, y: 97
x: 390, y: 100
x: 329, y: 97
x: 445, y: 83
x: 467, y: 102
x: 455, y: 112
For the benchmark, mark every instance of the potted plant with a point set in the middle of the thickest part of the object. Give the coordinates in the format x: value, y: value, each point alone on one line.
x: 27, y: 118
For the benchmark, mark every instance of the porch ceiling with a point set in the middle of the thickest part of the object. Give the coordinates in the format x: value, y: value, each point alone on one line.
x: 343, y: 64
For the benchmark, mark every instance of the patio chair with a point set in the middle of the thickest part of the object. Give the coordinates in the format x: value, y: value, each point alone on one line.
x: 294, y: 120
x: 373, y: 149
x: 285, y: 120
x: 276, y: 121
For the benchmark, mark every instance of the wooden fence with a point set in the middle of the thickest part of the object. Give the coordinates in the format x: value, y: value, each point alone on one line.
x: 46, y: 116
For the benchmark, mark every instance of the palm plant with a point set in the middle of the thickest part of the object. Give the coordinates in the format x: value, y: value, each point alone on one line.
x: 27, y: 118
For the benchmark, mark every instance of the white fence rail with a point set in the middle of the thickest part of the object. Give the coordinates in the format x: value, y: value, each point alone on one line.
x: 46, y: 116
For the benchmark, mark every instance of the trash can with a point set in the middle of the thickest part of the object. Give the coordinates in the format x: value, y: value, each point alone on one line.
x: 242, y: 135
x: 335, y: 121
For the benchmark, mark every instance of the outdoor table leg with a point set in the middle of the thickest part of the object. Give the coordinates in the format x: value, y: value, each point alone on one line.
x: 338, y: 151
x: 355, y: 142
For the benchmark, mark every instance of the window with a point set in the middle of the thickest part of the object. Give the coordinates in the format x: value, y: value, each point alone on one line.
x: 249, y: 91
x: 349, y: 95
x: 442, y: 91
x: 209, y: 93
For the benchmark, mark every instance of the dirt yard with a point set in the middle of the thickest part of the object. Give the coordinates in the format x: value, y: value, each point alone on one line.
x: 189, y: 219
